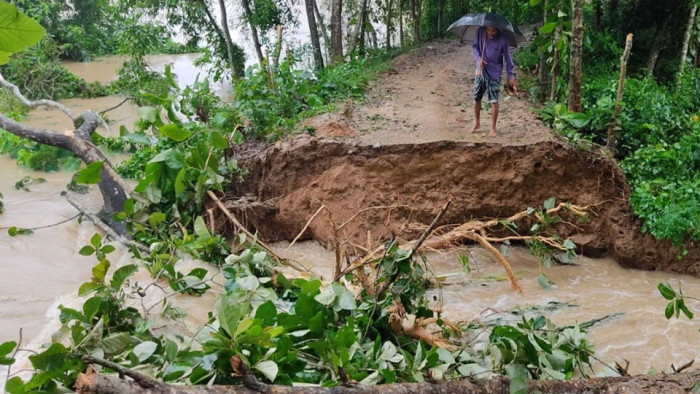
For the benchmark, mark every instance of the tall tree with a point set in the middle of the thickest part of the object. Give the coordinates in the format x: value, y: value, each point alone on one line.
x: 686, y: 40
x: 401, y: 38
x: 226, y: 33
x: 337, y: 31
x: 363, y: 27
x: 415, y: 10
x: 542, y: 66
x: 576, y: 56
x: 387, y: 23
x: 253, y: 30
x: 555, y: 59
x: 322, y: 27
x: 313, y: 30
x: 656, y: 43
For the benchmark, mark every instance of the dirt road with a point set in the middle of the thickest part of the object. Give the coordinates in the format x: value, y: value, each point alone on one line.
x: 428, y: 98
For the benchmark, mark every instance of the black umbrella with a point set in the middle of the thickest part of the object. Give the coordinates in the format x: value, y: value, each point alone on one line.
x: 467, y: 26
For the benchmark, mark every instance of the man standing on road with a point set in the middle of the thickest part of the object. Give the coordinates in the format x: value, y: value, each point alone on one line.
x: 490, y: 48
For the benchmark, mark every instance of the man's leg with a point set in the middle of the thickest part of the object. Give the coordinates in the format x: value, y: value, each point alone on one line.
x: 494, y: 119
x: 477, y: 116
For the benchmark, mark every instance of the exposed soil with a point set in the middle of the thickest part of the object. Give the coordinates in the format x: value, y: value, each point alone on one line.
x: 482, y: 180
x: 406, y: 147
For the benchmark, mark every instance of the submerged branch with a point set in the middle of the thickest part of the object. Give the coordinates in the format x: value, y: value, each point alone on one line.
x: 37, y: 103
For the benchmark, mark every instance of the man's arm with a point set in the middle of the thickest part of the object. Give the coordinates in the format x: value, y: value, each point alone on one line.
x: 510, y: 65
x: 476, y: 45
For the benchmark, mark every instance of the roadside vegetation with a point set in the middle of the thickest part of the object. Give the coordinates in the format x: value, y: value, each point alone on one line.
x: 266, y: 325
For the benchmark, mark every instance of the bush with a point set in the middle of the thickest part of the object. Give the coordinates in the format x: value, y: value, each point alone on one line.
x: 527, y: 58
x: 39, y: 75
x: 666, y: 187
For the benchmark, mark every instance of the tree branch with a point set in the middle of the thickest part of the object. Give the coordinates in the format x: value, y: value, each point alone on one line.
x: 37, y: 103
x: 144, y: 381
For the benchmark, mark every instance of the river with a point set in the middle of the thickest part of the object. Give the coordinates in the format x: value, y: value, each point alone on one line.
x: 42, y: 270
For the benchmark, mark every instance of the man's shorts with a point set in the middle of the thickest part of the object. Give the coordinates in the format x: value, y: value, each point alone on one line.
x: 491, y: 87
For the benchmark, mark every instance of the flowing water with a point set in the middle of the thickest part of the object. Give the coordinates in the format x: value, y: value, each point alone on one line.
x: 42, y: 270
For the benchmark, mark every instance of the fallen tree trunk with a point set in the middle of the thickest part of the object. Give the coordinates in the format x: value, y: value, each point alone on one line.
x: 112, y: 187
x: 95, y: 383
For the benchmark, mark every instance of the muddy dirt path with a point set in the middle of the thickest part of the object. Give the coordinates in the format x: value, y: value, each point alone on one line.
x: 428, y: 97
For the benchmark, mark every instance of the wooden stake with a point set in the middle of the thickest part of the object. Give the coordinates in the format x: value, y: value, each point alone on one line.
x: 612, y: 129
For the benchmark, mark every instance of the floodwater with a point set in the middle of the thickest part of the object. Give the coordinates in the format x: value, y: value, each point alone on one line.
x: 635, y: 330
x: 42, y: 270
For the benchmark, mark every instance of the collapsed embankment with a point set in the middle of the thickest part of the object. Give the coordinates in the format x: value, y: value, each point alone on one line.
x: 297, y: 176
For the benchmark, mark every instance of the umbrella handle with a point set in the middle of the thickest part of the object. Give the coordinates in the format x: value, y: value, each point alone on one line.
x: 483, y: 53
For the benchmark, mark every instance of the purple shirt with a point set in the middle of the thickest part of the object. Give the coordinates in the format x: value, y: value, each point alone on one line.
x: 496, y: 49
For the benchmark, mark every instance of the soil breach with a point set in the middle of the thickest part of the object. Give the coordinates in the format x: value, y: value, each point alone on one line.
x: 296, y: 177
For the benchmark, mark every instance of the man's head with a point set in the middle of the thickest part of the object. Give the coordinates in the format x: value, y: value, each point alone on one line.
x: 491, y: 31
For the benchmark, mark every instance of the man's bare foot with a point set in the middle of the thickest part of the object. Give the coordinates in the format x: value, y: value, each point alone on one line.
x: 493, y: 133
x: 474, y: 128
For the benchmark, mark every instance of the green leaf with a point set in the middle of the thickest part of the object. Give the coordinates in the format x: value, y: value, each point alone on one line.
x: 88, y: 287
x: 535, y: 3
x: 90, y: 174
x: 17, y: 31
x: 7, y: 347
x: 517, y: 373
x: 267, y: 313
x: 120, y: 276
x: 87, y: 250
x: 137, y: 138
x: 96, y: 240
x: 144, y: 350
x: 149, y: 114
x: 100, y: 270
x: 12, y: 231
x: 568, y: 244
x: 92, y: 306
x: 268, y: 368
x: 548, y: 28
x: 116, y: 343
x: 230, y: 311
x: 15, y: 386
x: 686, y: 311
x: 346, y: 300
x: 464, y: 261
x: 50, y: 359
x: 170, y: 350
x: 155, y: 218
x: 200, y: 229
x: 107, y: 249
x: 180, y: 182
x: 669, y: 310
x: 549, y: 203
x: 169, y: 76
x: 172, y: 158
x: 667, y: 291
x: 217, y: 140
x: 326, y: 297
x: 174, y: 132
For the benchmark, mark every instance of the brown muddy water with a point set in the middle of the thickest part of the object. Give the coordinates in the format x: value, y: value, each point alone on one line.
x: 42, y: 270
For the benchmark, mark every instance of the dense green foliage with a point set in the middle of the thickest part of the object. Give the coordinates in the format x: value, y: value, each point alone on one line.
x: 658, y: 126
x: 84, y: 29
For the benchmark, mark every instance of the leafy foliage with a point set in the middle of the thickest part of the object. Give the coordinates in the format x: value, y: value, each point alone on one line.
x: 676, y: 303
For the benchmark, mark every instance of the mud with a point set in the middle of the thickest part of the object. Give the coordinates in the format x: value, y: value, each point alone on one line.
x: 296, y: 177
